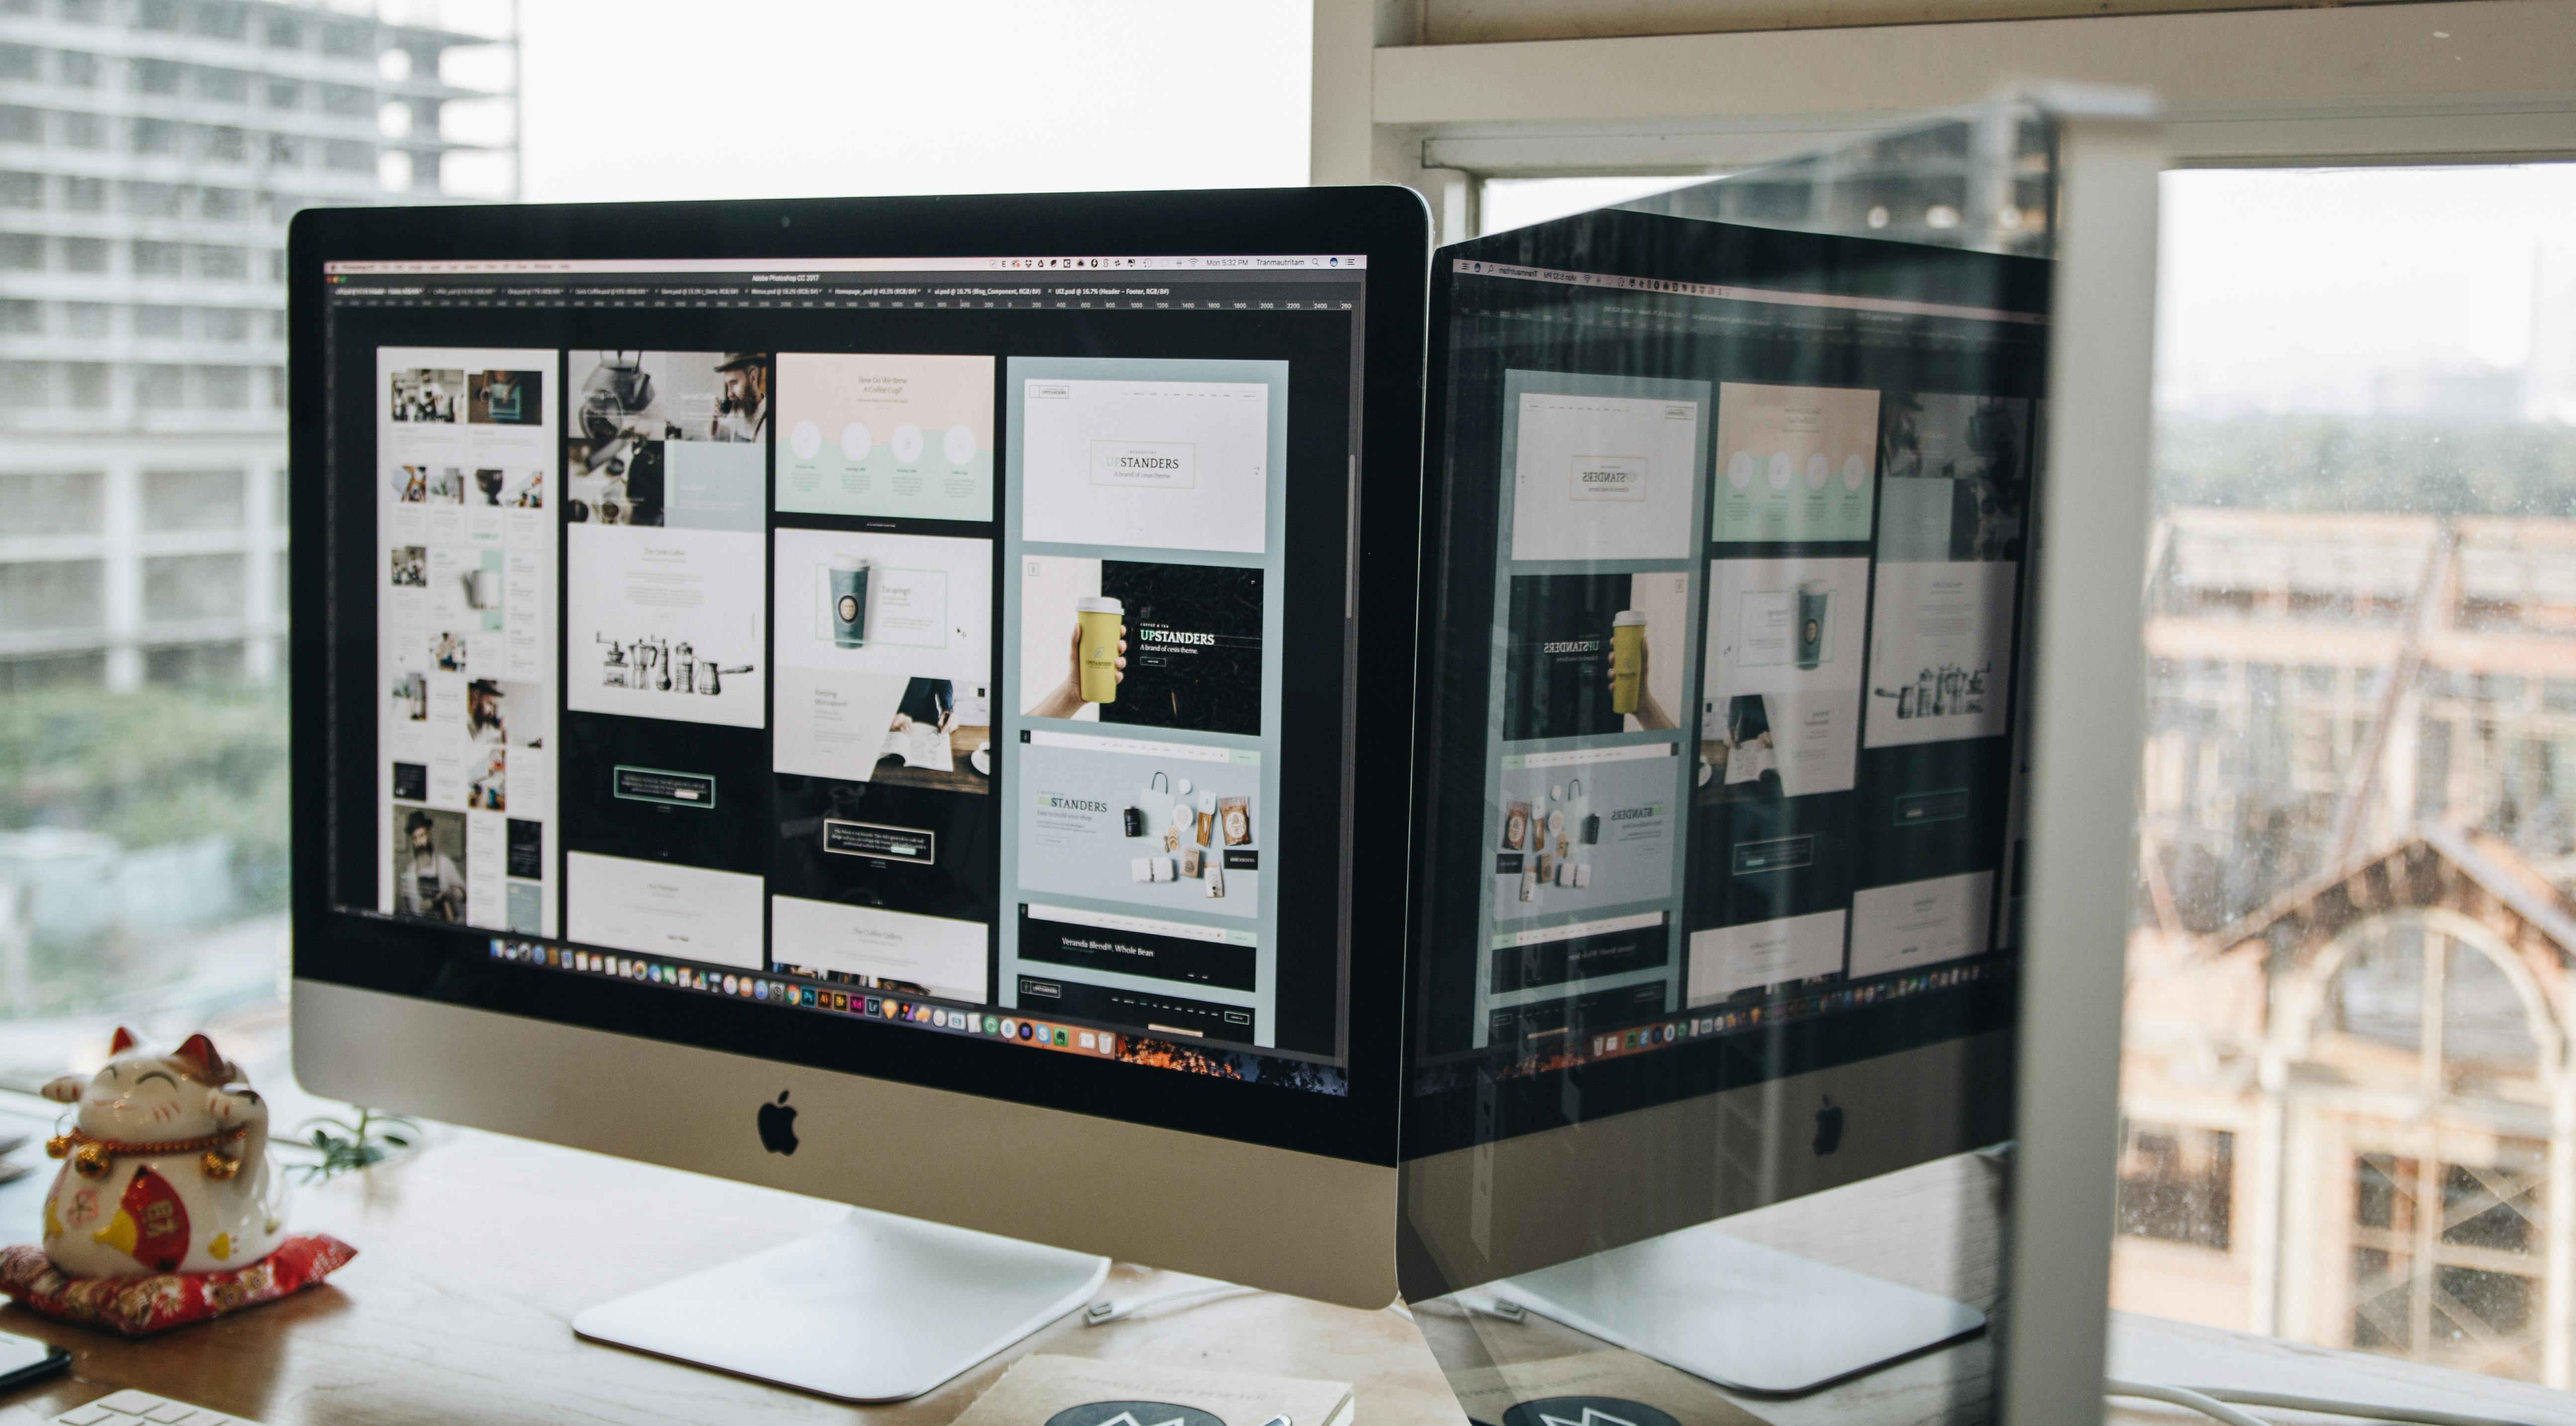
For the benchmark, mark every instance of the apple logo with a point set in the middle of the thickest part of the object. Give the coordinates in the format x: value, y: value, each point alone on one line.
x: 778, y: 1126
x: 1829, y: 1127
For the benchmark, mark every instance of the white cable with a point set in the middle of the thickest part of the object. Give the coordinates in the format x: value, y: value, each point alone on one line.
x: 2207, y: 1406
x: 2413, y: 1416
x: 2213, y: 1402
x: 1109, y: 1310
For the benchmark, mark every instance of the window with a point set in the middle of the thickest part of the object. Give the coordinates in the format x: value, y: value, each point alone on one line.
x: 84, y: 384
x: 22, y: 190
x: 160, y: 387
x: 223, y: 324
x: 87, y: 319
x: 223, y: 388
x: 230, y: 264
x: 192, y: 499
x: 51, y: 596
x: 188, y: 589
x: 155, y: 76
x: 22, y: 251
x: 85, y: 254
x: 21, y: 316
x: 21, y: 125
x: 2177, y: 1184
x: 223, y: 19
x: 152, y: 320
x: 2354, y: 500
x: 224, y: 86
x: 159, y: 259
x: 85, y: 195
x: 72, y: 503
x: 152, y: 200
x: 348, y: 39
x: 25, y: 385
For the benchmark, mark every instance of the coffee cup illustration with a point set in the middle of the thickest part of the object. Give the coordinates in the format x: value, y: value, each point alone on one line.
x: 849, y: 603
x: 1627, y: 659
x: 1814, y: 600
x: 1101, y: 618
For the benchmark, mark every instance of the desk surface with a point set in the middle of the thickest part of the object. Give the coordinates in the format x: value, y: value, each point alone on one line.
x: 474, y: 1255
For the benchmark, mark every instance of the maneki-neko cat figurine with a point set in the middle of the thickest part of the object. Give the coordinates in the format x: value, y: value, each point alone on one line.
x: 165, y: 1167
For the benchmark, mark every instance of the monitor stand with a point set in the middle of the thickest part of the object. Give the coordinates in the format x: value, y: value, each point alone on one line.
x: 1749, y: 1318
x: 879, y: 1308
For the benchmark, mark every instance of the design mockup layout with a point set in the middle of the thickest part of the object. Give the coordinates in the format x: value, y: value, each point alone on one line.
x: 902, y: 436
x: 1940, y: 652
x: 1143, y: 744
x: 1586, y: 830
x: 1601, y: 476
x: 884, y: 651
x: 663, y: 607
x: 1752, y: 599
x: 1781, y: 716
x: 1799, y: 462
x: 1175, y: 465
x: 465, y: 635
x: 945, y: 685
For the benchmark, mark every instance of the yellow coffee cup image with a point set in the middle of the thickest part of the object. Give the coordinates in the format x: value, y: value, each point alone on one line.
x: 1101, y: 619
x: 1627, y: 659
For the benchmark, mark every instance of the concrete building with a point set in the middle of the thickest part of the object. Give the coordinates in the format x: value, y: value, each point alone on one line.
x: 151, y: 152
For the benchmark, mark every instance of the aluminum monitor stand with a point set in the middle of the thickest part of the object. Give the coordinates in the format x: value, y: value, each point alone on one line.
x: 879, y: 1308
x: 1749, y: 1318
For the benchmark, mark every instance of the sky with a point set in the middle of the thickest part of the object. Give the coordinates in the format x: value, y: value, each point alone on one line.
x: 644, y: 99
x: 2294, y: 290
x: 2282, y: 289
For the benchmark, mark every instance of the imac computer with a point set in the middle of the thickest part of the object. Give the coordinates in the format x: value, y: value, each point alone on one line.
x: 1785, y: 573
x: 903, y: 700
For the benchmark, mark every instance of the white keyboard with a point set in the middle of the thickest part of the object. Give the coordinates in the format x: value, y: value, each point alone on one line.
x: 133, y: 1408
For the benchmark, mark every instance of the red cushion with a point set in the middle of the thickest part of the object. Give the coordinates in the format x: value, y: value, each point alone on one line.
x: 141, y: 1306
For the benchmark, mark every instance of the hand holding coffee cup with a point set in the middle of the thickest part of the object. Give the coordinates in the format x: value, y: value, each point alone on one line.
x: 1629, y: 695
x: 1083, y: 676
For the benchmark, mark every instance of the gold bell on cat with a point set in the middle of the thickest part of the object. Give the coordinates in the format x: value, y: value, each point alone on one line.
x: 90, y: 1160
x: 58, y: 1146
x: 217, y: 1166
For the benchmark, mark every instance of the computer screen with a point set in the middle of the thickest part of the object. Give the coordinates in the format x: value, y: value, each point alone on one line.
x: 1721, y: 745
x: 951, y: 643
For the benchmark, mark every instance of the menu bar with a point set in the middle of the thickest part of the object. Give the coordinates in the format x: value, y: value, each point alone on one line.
x: 794, y: 269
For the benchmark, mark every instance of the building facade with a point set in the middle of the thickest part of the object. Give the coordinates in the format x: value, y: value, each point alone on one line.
x: 151, y: 153
x: 2350, y: 1104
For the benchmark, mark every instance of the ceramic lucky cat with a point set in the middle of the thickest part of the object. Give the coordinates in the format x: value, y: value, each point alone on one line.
x: 166, y: 1167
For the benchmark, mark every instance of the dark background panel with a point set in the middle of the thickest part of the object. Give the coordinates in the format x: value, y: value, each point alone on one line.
x: 1765, y: 860
x: 956, y: 882
x: 724, y: 837
x: 1180, y: 682
x: 1932, y: 809
x: 1556, y: 674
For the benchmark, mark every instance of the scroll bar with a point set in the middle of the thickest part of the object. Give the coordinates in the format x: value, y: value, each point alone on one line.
x: 1351, y: 549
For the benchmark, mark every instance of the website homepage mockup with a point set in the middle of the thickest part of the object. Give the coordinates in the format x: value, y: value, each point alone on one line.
x: 910, y: 640
x: 1757, y: 581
